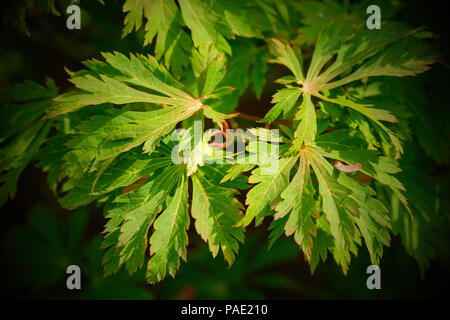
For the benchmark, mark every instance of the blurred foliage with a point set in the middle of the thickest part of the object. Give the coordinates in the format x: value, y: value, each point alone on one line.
x: 40, y: 252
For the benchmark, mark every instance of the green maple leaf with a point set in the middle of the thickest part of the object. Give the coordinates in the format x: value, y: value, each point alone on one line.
x: 341, y: 207
x: 307, y: 129
x: 298, y: 205
x: 128, y: 169
x: 216, y: 213
x: 267, y: 190
x: 130, y: 217
x: 285, y: 101
x: 161, y: 203
x: 120, y: 80
x: 246, y: 19
x: 113, y: 144
x: 165, y: 22
x: 135, y: 11
x: 169, y: 240
x: 247, y: 66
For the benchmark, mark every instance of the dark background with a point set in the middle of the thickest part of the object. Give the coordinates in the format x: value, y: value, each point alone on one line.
x: 35, y: 243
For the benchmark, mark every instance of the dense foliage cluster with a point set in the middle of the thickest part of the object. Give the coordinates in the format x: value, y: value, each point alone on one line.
x: 353, y: 126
